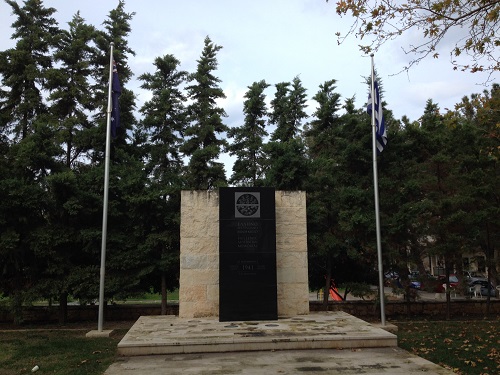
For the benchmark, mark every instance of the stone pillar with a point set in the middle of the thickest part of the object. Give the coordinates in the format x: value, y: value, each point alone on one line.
x: 291, y: 253
x: 199, y: 254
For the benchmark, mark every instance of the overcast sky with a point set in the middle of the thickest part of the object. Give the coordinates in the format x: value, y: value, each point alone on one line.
x: 274, y: 40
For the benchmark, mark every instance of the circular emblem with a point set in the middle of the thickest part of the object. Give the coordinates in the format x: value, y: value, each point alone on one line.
x: 247, y: 204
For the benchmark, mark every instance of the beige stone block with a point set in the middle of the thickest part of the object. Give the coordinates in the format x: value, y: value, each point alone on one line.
x: 285, y: 290
x: 186, y: 309
x: 199, y: 261
x: 198, y: 246
x: 203, y: 310
x: 290, y: 198
x: 291, y: 214
x: 291, y: 244
x: 213, y: 295
x: 293, y: 299
x: 199, y: 198
x: 291, y: 229
x: 291, y: 275
x: 204, y: 198
x: 291, y: 308
x: 192, y: 293
x: 201, y: 227
x: 293, y: 291
x: 286, y: 260
x: 199, y: 277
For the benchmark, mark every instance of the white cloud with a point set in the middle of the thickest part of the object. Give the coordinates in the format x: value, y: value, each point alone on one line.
x: 272, y: 40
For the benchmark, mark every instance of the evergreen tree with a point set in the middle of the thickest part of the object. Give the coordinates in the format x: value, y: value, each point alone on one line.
x: 116, y: 30
x: 288, y: 110
x: 445, y: 219
x: 71, y: 94
x: 32, y: 153
x: 58, y: 242
x: 476, y: 154
x: 23, y: 212
x: 126, y: 265
x: 323, y: 244
x: 24, y: 68
x: 248, y: 169
x: 404, y: 206
x: 279, y: 113
x: 164, y: 121
x: 287, y: 163
x: 203, y: 145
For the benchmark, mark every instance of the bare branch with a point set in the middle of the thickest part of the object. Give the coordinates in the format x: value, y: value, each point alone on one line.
x: 380, y: 21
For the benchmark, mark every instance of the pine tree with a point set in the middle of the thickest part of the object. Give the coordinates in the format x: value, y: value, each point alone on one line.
x: 116, y: 30
x: 322, y: 202
x: 31, y: 152
x: 71, y: 94
x: 288, y: 110
x: 58, y: 241
x: 126, y: 265
x: 248, y: 169
x: 164, y: 121
x: 203, y: 144
x: 287, y: 165
x: 165, y: 118
x: 24, y: 68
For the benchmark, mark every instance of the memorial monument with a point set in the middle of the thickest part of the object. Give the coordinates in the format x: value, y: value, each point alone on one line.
x: 243, y: 254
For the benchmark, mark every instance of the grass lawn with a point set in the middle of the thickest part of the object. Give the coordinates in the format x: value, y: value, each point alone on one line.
x: 466, y: 347
x: 151, y: 297
x: 56, y: 352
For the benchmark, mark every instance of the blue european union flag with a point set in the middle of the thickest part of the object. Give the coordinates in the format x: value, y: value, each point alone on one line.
x: 116, y: 91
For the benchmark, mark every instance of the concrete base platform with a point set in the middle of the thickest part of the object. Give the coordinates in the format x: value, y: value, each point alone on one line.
x: 328, y: 330
x: 96, y: 333
x: 367, y: 361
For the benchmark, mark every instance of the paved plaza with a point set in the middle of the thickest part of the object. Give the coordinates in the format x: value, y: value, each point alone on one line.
x: 318, y: 343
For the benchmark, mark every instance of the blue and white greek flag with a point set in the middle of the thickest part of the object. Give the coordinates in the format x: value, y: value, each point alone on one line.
x: 381, y: 132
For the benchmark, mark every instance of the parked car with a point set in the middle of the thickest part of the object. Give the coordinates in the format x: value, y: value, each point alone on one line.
x: 440, y: 287
x: 484, y: 288
x: 414, y: 281
x: 474, y: 276
x: 391, y: 275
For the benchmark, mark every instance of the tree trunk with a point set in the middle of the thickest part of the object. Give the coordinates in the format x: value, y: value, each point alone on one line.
x: 328, y: 280
x: 163, y: 293
x: 63, y: 308
x: 448, y: 301
x: 490, y: 263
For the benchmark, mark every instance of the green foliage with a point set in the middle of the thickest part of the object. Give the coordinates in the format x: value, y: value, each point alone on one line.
x: 438, y: 177
x: 24, y: 68
x: 288, y: 166
x: 361, y: 290
x: 202, y: 144
x: 247, y: 146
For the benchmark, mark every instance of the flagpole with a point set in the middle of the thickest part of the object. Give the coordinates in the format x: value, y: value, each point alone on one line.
x: 105, y: 199
x: 375, y: 188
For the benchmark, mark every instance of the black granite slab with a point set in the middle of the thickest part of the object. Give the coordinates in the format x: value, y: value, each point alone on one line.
x: 247, y: 249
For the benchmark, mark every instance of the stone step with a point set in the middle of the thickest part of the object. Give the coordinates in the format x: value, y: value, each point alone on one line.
x: 327, y: 330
